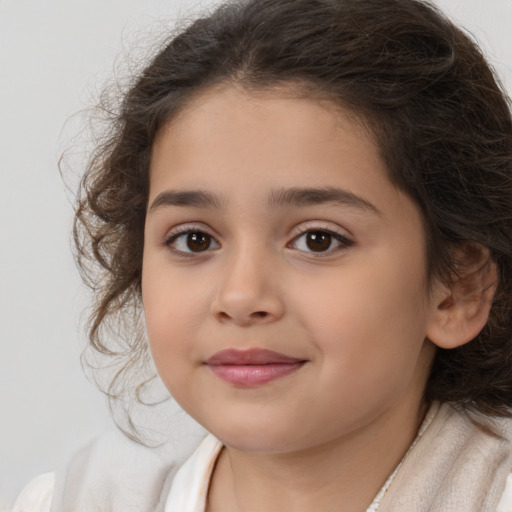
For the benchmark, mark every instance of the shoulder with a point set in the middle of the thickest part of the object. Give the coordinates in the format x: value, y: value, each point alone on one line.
x: 111, y: 473
x: 37, y: 495
x: 491, y: 438
x: 505, y: 504
x: 115, y: 473
x: 462, y: 461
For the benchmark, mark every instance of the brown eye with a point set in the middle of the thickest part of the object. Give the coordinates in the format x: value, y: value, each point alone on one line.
x: 318, y: 241
x: 189, y: 242
x: 198, y: 242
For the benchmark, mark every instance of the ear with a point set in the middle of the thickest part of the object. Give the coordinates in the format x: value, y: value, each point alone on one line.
x: 460, y: 309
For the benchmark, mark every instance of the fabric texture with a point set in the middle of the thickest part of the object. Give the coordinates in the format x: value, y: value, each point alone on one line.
x: 454, y: 466
x: 37, y: 495
x: 189, y: 488
x: 114, y: 474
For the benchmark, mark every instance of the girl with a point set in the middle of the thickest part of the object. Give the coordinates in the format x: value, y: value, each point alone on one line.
x: 311, y: 202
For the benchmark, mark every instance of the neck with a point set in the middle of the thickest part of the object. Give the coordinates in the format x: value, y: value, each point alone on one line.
x: 349, y: 470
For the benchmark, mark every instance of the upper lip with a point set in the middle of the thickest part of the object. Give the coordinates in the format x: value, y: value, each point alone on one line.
x: 252, y: 356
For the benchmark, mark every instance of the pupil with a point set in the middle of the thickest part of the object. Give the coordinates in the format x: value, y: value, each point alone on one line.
x: 318, y: 241
x: 198, y: 242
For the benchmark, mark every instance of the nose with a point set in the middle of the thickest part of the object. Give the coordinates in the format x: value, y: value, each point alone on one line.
x: 248, y: 292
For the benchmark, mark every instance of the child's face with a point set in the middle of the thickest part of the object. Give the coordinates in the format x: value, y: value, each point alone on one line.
x: 272, y: 226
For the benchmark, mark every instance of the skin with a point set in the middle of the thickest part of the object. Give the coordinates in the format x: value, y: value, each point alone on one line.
x: 358, y: 313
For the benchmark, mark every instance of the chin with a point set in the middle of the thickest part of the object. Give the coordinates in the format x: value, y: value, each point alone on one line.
x: 259, y: 437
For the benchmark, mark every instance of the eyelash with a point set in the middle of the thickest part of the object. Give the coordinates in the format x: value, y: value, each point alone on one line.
x: 182, y: 232
x: 343, y: 241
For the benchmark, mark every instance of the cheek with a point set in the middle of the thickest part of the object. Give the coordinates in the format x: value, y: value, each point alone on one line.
x: 172, y: 308
x: 368, y: 321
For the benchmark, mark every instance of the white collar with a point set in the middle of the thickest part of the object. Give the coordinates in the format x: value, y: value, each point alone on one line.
x: 189, y: 488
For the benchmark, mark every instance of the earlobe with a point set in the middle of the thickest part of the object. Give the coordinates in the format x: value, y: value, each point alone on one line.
x: 461, y: 308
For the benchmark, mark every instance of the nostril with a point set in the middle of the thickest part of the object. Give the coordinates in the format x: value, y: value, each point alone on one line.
x: 255, y: 316
x: 259, y: 314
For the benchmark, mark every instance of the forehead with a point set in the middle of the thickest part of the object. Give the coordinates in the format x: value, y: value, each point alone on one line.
x: 272, y: 131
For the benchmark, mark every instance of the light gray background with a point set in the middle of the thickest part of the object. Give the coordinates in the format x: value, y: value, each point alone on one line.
x: 54, y: 55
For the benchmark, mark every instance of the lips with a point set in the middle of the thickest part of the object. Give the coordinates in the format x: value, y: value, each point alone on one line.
x: 253, y: 367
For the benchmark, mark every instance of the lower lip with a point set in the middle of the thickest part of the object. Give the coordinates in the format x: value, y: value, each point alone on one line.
x: 254, y: 375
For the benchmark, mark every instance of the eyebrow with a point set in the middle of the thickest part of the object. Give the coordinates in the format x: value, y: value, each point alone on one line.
x: 196, y: 198
x: 295, y: 197
x: 300, y: 197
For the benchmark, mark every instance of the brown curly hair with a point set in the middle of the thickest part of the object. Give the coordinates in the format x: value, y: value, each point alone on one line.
x: 423, y: 87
